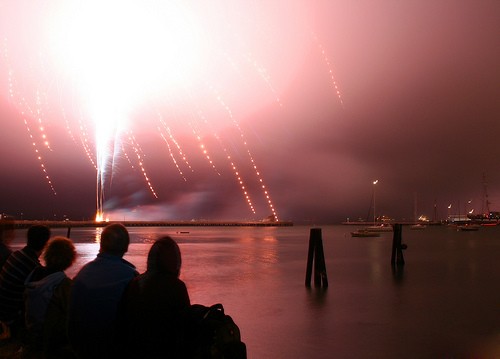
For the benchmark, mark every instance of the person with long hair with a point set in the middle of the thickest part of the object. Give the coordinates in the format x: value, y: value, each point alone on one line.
x: 154, y: 305
x: 46, y: 301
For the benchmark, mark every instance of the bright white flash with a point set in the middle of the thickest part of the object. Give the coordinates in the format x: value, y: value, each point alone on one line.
x: 121, y: 54
x: 126, y: 51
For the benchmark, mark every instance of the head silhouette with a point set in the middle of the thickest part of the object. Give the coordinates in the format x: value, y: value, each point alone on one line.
x: 7, y: 227
x: 59, y: 254
x: 165, y: 257
x: 114, y: 240
x: 38, y: 237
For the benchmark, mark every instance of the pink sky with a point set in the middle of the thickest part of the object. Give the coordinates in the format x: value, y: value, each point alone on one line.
x: 322, y: 97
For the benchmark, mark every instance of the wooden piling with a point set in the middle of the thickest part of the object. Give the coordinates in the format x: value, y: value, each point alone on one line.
x: 397, y: 257
x: 316, y: 256
x: 68, y: 232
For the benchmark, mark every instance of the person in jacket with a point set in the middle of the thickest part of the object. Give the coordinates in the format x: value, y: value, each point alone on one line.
x: 96, y: 295
x: 46, y: 301
x: 6, y: 236
x: 154, y: 305
x: 13, y: 275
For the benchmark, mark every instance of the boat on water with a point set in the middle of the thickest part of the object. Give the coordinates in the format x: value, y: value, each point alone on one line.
x: 364, y: 233
x: 380, y: 228
x: 468, y: 227
x: 418, y: 226
x: 486, y: 218
x: 489, y: 224
x: 376, y: 227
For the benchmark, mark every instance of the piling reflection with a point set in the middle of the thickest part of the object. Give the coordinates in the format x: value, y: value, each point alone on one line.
x: 316, y: 297
x: 398, y: 272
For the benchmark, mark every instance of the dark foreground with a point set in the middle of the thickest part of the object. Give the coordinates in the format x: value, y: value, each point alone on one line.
x: 444, y: 303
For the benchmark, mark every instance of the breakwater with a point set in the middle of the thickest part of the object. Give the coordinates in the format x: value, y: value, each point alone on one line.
x: 80, y: 224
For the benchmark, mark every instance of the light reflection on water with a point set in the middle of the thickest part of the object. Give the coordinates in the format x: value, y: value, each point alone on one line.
x: 443, y: 303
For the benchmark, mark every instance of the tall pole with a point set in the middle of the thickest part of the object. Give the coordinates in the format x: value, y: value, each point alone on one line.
x: 374, y: 215
x: 435, y: 211
x: 486, y: 203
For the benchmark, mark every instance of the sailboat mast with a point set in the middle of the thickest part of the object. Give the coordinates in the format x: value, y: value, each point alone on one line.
x: 486, y: 203
x: 415, y: 207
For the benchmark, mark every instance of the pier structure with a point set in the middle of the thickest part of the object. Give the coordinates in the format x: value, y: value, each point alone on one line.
x: 77, y: 224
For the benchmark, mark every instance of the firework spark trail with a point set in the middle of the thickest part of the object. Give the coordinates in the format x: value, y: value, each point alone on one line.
x: 140, y: 157
x: 22, y: 103
x: 67, y: 125
x: 99, y: 72
x: 232, y: 164
x: 201, y: 144
x: 127, y: 157
x: 39, y: 115
x: 264, y: 75
x: 81, y: 130
x: 171, y: 154
x: 35, y: 146
x: 247, y: 149
x: 240, y: 181
x: 179, y: 149
x: 84, y: 138
x: 259, y: 69
x: 10, y: 72
x: 182, y: 155
x: 330, y: 69
x: 38, y: 155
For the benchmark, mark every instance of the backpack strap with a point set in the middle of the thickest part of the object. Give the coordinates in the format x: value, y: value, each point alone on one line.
x: 216, y: 308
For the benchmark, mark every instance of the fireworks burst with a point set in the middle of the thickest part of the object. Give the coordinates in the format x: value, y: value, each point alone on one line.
x: 92, y: 66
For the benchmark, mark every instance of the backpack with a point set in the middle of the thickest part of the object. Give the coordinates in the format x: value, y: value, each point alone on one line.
x: 211, y: 334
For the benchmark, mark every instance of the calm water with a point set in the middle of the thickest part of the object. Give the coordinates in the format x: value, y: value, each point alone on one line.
x: 446, y: 303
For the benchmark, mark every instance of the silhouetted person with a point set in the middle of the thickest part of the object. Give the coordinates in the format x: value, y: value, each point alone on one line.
x: 46, y: 302
x: 96, y: 294
x: 154, y: 303
x: 6, y: 236
x: 14, y: 273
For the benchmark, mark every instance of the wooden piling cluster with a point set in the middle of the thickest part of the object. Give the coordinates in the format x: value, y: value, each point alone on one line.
x: 316, y: 256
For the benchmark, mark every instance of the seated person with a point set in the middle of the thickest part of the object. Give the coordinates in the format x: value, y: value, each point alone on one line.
x: 154, y: 304
x: 96, y: 294
x: 46, y: 300
x: 13, y: 275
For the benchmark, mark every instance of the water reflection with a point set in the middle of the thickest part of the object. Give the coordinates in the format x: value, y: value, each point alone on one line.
x: 398, y: 271
x: 316, y: 297
x: 97, y: 236
x: 369, y: 309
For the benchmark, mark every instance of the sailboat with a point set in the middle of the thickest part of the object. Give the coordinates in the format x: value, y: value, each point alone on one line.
x: 372, y: 231
x: 418, y: 226
x: 415, y: 224
x: 382, y: 227
x: 487, y: 218
x: 364, y: 233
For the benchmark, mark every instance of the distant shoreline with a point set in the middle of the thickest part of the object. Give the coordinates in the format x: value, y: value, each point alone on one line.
x: 363, y: 223
x: 77, y: 224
